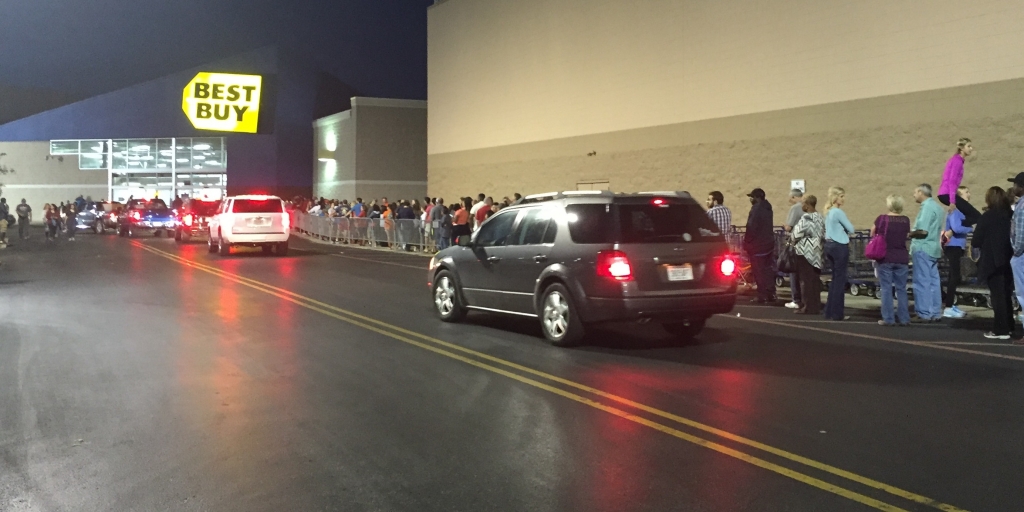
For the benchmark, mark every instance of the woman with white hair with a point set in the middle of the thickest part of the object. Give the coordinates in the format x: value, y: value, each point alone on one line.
x: 893, y: 268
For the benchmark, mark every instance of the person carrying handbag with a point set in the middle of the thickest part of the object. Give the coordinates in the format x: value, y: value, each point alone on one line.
x: 892, y: 229
x: 808, y: 237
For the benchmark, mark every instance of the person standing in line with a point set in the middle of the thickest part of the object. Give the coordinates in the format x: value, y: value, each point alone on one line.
x: 759, y: 242
x: 1017, y: 238
x: 24, y: 212
x: 809, y: 235
x: 992, y: 236
x: 437, y: 214
x: 718, y: 212
x: 892, y: 269
x: 956, y: 234
x: 72, y: 222
x: 460, y: 222
x: 483, y: 213
x: 926, y: 251
x: 796, y: 212
x: 837, y: 250
x: 445, y: 227
x: 476, y: 207
x: 951, y: 179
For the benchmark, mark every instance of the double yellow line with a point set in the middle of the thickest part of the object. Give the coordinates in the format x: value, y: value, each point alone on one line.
x: 526, y: 376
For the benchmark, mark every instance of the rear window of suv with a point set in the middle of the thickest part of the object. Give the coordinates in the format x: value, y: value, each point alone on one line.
x: 640, y: 223
x: 257, y: 206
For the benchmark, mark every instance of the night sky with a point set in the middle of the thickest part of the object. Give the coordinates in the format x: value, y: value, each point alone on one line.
x: 89, y: 47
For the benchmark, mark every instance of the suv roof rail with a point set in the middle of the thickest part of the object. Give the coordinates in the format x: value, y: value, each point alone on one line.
x: 677, y: 193
x: 547, y: 196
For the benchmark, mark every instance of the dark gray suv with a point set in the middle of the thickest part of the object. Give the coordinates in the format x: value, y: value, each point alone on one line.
x: 573, y: 259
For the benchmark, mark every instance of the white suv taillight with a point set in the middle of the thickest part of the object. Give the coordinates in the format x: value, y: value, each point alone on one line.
x: 614, y: 264
x: 286, y: 220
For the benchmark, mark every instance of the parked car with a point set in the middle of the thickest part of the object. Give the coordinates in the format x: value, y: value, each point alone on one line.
x: 99, y: 216
x: 194, y: 220
x: 146, y: 216
x: 574, y: 259
x: 253, y: 221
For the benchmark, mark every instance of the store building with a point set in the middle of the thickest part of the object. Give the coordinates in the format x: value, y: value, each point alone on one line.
x: 872, y: 95
x: 377, y: 149
x: 159, y: 139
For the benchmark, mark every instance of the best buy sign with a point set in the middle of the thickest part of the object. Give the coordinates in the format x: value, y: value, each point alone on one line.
x: 223, y: 102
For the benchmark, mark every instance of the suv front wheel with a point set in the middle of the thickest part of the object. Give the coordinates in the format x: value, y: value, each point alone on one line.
x: 447, y: 303
x: 559, y: 318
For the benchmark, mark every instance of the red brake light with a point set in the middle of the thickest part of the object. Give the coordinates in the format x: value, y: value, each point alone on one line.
x: 728, y: 266
x: 135, y: 215
x: 286, y: 220
x: 614, y: 264
x: 658, y: 202
x: 188, y: 219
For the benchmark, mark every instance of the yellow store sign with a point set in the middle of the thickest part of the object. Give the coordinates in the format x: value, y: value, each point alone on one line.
x: 223, y: 102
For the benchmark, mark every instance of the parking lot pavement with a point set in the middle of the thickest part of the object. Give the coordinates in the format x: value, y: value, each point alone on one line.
x: 146, y: 375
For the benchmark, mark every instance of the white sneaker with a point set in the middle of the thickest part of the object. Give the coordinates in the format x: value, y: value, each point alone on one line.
x: 949, y: 313
x: 792, y: 305
x: 959, y: 312
x: 994, y: 336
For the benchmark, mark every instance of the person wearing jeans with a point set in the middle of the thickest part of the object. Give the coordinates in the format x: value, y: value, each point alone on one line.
x: 925, y: 250
x: 892, y: 269
x: 1017, y: 237
x: 837, y: 250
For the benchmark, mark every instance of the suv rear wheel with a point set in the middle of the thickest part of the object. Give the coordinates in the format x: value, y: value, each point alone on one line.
x: 686, y: 330
x: 99, y: 228
x: 447, y: 303
x: 559, y: 319
x: 223, y: 247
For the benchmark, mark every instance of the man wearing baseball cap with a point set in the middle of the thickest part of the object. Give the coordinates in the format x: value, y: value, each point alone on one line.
x: 1017, y: 237
x: 759, y: 242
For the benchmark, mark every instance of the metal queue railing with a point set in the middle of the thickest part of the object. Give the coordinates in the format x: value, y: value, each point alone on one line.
x: 394, y: 234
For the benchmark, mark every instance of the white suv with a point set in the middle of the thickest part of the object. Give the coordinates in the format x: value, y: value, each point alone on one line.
x: 253, y: 221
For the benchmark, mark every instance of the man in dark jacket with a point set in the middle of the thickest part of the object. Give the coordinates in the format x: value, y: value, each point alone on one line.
x: 759, y: 243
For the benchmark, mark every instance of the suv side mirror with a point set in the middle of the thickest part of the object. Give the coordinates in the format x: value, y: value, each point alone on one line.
x: 464, y: 241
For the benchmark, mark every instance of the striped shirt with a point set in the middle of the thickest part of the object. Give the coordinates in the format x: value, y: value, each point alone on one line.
x: 722, y: 218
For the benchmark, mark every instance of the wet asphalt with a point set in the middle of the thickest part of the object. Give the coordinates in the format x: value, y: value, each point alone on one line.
x: 144, y: 375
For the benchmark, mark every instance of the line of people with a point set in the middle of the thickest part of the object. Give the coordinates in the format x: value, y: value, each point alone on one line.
x: 941, y: 228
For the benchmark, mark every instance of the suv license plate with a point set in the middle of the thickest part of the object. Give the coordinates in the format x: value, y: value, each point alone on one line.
x: 680, y: 273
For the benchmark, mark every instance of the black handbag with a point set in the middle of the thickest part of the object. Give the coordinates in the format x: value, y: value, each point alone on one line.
x: 786, y: 263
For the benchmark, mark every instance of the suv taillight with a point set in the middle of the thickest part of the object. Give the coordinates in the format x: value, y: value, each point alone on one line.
x: 188, y: 219
x: 614, y: 264
x: 135, y: 215
x: 286, y: 221
x: 728, y: 266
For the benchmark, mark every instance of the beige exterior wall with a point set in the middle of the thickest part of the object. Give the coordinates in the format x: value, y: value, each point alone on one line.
x: 379, y: 151
x: 40, y: 178
x: 682, y: 94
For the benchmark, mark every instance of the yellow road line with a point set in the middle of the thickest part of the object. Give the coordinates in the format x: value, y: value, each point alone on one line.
x: 369, y: 323
x: 423, y: 268
x: 925, y: 344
